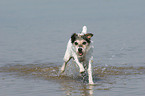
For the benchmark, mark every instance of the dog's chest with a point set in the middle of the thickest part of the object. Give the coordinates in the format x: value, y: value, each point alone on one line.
x: 82, y: 59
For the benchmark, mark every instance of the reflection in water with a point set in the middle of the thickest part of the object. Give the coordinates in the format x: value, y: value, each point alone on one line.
x: 73, y: 87
x: 104, y: 76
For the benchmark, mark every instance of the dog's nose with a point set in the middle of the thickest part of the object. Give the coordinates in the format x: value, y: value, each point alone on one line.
x: 80, y: 49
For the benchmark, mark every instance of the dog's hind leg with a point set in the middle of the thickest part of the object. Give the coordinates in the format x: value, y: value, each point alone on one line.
x: 64, y: 65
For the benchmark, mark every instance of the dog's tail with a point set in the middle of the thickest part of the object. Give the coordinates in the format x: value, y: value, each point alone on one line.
x: 84, y: 30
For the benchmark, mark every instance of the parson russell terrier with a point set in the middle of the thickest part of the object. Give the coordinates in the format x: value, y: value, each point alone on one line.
x: 80, y: 48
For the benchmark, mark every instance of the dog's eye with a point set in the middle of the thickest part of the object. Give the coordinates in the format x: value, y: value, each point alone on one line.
x: 76, y: 43
x: 84, y: 43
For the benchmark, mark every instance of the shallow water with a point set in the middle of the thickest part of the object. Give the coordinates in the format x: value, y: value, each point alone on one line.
x: 33, y: 38
x: 32, y: 77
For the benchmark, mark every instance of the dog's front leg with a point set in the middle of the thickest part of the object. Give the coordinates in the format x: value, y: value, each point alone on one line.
x: 90, y: 72
x: 64, y: 65
x: 80, y: 65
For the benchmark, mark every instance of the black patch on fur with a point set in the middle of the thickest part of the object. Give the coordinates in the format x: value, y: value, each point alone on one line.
x: 73, y: 37
x: 87, y: 39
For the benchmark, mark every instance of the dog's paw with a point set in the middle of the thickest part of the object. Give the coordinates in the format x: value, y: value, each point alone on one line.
x: 92, y: 83
x: 61, y: 71
x: 82, y: 70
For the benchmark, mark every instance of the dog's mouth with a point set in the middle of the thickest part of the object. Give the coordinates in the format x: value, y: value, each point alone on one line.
x: 80, y: 53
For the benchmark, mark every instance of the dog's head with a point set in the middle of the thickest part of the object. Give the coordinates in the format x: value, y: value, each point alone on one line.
x: 81, y: 43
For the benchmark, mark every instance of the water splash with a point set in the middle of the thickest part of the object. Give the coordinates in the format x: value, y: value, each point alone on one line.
x: 52, y: 72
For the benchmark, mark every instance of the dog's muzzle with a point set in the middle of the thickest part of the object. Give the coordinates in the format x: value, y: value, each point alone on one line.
x: 80, y: 51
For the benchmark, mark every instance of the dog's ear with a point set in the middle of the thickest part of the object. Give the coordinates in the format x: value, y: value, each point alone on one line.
x: 73, y: 37
x: 89, y: 35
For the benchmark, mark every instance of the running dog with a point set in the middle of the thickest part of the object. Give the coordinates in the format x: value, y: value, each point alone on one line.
x: 80, y: 48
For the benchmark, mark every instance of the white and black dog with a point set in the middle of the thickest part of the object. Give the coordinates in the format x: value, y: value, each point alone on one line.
x: 80, y: 48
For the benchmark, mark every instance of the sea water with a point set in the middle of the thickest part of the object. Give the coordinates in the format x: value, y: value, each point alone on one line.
x: 33, y: 39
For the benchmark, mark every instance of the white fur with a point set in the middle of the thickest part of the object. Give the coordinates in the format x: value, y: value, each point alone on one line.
x: 84, y: 30
x: 71, y: 53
